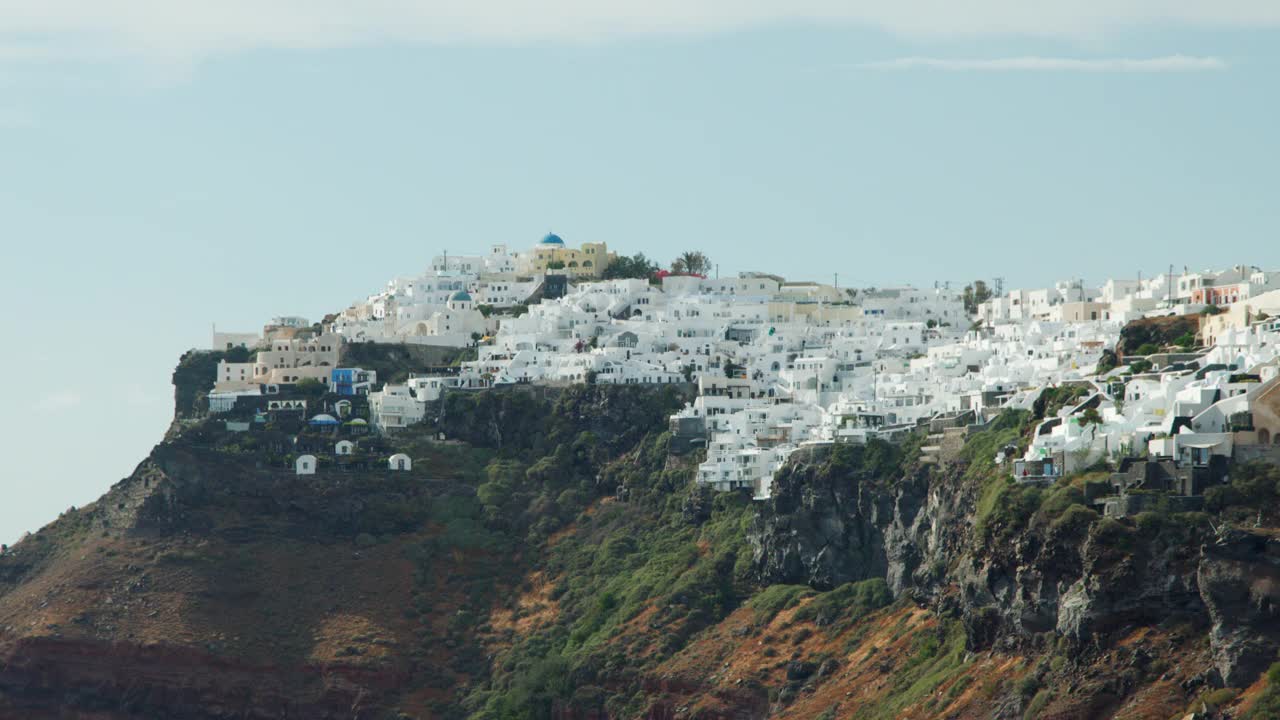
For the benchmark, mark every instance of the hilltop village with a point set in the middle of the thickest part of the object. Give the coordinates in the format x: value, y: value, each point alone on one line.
x: 1167, y: 379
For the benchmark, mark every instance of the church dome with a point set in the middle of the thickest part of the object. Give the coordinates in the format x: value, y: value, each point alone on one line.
x: 553, y: 240
x: 460, y: 296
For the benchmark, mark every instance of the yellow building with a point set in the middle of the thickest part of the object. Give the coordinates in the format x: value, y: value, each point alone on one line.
x: 588, y: 261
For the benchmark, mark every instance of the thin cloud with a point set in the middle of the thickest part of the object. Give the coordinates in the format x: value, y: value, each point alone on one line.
x: 181, y: 30
x: 1167, y: 64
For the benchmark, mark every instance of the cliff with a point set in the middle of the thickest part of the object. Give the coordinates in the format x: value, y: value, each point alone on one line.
x: 550, y: 558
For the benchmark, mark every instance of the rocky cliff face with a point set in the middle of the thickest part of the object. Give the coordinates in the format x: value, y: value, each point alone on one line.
x: 1239, y: 582
x: 1060, y: 574
x: 550, y: 558
x: 854, y: 513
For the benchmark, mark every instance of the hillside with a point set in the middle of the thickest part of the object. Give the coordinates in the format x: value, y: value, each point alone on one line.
x: 550, y: 557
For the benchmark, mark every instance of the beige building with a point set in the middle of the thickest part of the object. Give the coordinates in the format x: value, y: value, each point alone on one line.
x: 1239, y: 315
x: 1079, y: 312
x: 319, y: 351
x: 588, y: 261
x: 1265, y: 409
x: 815, y: 313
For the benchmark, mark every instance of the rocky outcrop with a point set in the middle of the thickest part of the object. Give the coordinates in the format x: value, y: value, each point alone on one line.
x: 846, y: 514
x: 1239, y: 581
x: 1080, y: 581
x: 840, y: 515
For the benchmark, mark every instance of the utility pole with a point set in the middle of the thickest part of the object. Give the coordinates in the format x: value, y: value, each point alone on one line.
x: 1168, y: 291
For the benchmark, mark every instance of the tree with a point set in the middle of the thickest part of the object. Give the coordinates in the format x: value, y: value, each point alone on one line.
x: 636, y: 267
x: 693, y: 262
x: 975, y: 295
x: 310, y: 387
x: 1090, y: 416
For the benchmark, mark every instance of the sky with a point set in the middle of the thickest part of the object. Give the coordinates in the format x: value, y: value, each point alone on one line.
x: 164, y: 167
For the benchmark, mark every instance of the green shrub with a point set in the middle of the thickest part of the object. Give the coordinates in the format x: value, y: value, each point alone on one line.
x: 309, y: 387
x: 1112, y: 534
x: 939, y: 656
x: 846, y: 604
x: 1214, y: 700
x: 1267, y: 705
x: 1038, y: 704
x: 1029, y: 685
x: 1057, y: 503
x: 1074, y: 519
x: 1005, y: 507
x: 1149, y: 523
x: 958, y: 687
x: 776, y: 598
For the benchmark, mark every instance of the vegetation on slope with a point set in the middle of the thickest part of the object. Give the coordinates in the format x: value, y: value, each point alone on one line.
x: 1156, y: 333
x: 633, y: 582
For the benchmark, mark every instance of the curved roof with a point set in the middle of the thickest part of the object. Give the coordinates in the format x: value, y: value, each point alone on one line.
x: 324, y: 419
x: 552, y: 239
x: 358, y: 421
x: 461, y: 296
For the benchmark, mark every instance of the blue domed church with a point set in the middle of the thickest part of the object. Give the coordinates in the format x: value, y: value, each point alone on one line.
x: 552, y: 256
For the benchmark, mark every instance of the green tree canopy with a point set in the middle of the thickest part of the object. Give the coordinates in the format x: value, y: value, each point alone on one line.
x: 693, y: 262
x: 636, y: 267
x: 975, y: 295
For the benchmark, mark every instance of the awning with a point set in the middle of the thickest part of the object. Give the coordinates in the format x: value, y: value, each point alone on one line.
x: 1204, y: 442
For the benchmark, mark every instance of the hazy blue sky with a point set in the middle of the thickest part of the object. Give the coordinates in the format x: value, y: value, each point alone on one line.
x: 163, y: 168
